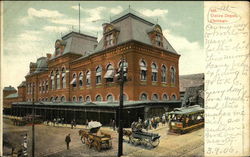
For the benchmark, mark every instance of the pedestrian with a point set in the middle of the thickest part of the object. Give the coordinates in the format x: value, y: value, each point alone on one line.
x: 113, y: 124
x: 163, y: 120
x: 67, y: 140
x: 25, y: 147
x: 110, y: 123
x: 87, y: 123
x: 72, y: 124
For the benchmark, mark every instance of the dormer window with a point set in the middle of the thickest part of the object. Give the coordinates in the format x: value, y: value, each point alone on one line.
x: 110, y: 34
x: 109, y: 40
x: 158, y: 40
x: 156, y: 36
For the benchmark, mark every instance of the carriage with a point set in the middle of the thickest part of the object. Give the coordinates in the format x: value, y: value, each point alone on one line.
x: 94, y: 137
x: 138, y: 136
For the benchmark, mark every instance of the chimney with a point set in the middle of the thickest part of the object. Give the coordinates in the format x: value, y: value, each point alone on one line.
x: 48, y: 55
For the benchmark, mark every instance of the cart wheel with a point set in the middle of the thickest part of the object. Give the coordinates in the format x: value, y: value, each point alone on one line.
x: 83, y: 139
x: 155, y: 143
x: 98, y: 146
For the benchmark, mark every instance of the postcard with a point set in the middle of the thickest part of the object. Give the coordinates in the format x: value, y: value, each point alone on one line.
x: 124, y: 78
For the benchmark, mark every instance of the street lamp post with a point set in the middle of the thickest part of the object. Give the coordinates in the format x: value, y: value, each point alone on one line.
x: 120, y: 113
x: 33, y: 126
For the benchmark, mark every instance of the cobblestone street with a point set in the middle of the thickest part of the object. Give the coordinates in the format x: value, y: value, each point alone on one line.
x: 50, y: 142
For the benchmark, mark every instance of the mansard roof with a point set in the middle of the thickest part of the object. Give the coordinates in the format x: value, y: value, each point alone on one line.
x: 134, y: 26
x: 10, y: 88
x: 77, y: 43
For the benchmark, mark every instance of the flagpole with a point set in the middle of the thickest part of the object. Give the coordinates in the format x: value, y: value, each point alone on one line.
x: 79, y: 18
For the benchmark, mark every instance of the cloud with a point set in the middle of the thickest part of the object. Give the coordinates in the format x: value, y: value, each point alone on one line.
x: 154, y: 12
x: 43, y: 13
x: 192, y: 58
x: 94, y: 14
x: 116, y: 10
x: 55, y: 29
x: 65, y: 21
x: 76, y: 7
x: 29, y: 36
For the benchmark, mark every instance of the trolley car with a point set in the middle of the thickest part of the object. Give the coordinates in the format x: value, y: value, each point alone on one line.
x: 185, y: 119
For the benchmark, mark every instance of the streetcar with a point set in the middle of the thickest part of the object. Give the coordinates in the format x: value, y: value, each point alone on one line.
x: 185, y: 119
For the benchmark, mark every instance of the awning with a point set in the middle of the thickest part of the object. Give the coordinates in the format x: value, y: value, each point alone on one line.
x: 52, y: 77
x: 57, y: 76
x: 98, y: 73
x: 109, y: 74
x: 154, y: 70
x: 80, y: 78
x: 63, y: 74
x: 94, y: 124
x: 88, y: 76
x: 143, y: 68
x: 73, y: 81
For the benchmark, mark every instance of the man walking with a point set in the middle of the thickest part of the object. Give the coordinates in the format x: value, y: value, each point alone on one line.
x: 67, y: 140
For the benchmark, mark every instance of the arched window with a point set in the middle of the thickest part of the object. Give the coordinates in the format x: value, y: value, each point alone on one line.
x: 88, y: 77
x: 110, y: 98
x: 80, y: 99
x: 173, y: 97
x: 40, y: 87
x: 98, y: 75
x: 143, y: 97
x: 98, y: 98
x: 51, y: 99
x: 62, y: 99
x: 57, y: 79
x: 73, y: 82
x: 46, y: 86
x: 43, y: 87
x: 52, y: 81
x: 125, y: 98
x: 63, y: 78
x: 80, y: 79
x: 173, y: 75
x: 154, y: 97
x: 154, y: 72
x: 74, y: 99
x: 56, y: 99
x: 143, y: 69
x: 163, y: 73
x: 165, y: 97
x: 109, y: 75
x: 88, y: 99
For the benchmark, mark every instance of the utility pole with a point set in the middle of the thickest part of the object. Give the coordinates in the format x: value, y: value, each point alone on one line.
x: 120, y: 113
x: 33, y: 126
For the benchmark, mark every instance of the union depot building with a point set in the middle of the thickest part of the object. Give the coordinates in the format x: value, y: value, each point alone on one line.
x: 79, y: 79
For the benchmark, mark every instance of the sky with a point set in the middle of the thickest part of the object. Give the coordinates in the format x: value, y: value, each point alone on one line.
x: 31, y: 28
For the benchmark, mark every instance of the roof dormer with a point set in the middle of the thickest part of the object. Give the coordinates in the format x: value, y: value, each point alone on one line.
x: 156, y: 36
x: 110, y: 34
x: 59, y: 47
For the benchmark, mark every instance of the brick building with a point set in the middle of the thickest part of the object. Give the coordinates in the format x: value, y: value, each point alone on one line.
x: 78, y: 81
x: 10, y: 95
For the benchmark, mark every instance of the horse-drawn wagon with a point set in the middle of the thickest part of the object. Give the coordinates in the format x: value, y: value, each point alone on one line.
x: 94, y: 137
x: 138, y: 136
